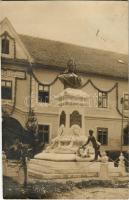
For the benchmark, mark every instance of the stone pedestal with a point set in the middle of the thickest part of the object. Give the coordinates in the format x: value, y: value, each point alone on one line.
x: 122, y: 165
x: 72, y: 103
x: 21, y: 176
x: 104, y: 172
x: 71, y: 134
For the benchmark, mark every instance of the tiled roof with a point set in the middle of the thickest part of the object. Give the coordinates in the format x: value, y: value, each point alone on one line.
x: 56, y: 54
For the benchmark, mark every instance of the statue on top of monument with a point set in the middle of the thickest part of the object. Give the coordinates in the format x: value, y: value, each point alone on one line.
x: 69, y: 77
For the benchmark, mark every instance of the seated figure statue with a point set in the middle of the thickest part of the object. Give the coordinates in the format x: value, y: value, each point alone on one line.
x: 55, y: 143
x: 75, y: 129
x: 69, y: 78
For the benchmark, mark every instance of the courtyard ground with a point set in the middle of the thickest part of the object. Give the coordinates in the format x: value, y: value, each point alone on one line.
x: 96, y: 193
x: 82, y: 188
x: 63, y: 189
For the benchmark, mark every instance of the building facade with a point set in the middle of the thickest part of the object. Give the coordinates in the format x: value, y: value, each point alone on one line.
x: 29, y: 80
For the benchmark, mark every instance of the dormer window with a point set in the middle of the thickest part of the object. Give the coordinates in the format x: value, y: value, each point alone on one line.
x: 5, y: 46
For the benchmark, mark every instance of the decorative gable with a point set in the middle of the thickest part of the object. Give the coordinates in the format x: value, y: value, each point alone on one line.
x: 11, y: 44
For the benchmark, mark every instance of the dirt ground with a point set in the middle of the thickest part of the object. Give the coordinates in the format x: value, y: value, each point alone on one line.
x: 96, y: 193
x: 60, y: 190
x: 75, y: 189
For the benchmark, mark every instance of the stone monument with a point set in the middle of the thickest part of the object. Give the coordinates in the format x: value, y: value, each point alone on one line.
x: 64, y: 157
x: 71, y: 131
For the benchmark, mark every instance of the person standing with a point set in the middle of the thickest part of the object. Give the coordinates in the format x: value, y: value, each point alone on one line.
x: 95, y: 143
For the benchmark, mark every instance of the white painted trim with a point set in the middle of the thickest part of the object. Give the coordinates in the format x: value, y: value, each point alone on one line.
x: 18, y: 109
x: 103, y: 109
x: 21, y: 110
x: 104, y: 118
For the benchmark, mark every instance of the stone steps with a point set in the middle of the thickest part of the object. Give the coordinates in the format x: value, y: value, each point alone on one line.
x: 45, y: 169
x: 64, y: 166
x: 39, y: 175
x: 61, y: 171
x: 52, y: 169
x: 67, y: 164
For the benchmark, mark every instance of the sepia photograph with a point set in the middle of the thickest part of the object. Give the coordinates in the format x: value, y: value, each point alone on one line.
x: 64, y: 99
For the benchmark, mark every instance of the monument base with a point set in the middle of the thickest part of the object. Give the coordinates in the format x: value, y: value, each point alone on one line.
x: 47, y: 169
x: 63, y: 157
x: 55, y: 166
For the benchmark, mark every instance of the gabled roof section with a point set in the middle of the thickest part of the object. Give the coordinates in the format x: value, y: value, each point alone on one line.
x: 6, y: 26
x: 55, y: 55
x: 88, y: 60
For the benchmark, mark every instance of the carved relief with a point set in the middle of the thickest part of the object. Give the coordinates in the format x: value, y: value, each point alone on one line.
x: 75, y: 118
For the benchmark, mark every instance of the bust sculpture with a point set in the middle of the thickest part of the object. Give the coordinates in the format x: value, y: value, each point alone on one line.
x: 69, y: 77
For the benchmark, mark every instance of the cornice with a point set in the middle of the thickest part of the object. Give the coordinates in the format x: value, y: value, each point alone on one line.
x: 57, y: 68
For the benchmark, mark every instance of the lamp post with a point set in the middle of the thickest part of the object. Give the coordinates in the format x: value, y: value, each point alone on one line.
x: 122, y: 121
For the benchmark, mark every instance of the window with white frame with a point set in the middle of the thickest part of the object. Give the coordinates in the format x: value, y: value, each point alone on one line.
x: 44, y: 132
x: 43, y: 93
x: 102, y: 99
x: 102, y: 135
x: 6, y: 89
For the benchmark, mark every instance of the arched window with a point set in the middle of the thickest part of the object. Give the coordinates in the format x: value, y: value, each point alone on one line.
x: 5, y: 46
x: 75, y: 118
x: 63, y: 118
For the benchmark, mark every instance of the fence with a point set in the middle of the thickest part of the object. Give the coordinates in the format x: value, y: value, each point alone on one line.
x: 15, y: 169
